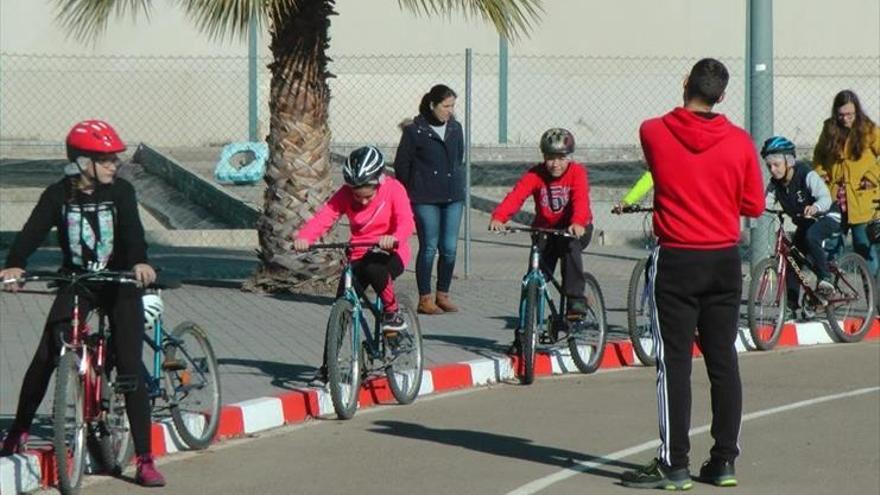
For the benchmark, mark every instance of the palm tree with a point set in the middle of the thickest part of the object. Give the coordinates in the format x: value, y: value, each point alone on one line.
x: 298, y: 171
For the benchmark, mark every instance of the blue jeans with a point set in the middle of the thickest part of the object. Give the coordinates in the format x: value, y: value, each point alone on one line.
x: 862, y: 245
x: 437, y: 225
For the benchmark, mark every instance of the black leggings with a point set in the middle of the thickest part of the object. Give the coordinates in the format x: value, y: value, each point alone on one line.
x: 570, y: 251
x: 124, y: 307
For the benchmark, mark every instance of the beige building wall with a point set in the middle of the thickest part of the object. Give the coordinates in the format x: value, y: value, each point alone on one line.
x: 597, y: 67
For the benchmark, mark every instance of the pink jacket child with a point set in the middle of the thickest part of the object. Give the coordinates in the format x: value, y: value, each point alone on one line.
x: 386, y: 213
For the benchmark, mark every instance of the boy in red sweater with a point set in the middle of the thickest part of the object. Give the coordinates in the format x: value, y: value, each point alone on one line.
x: 561, y: 192
x: 706, y: 175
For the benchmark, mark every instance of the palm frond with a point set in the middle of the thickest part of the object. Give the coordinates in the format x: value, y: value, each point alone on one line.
x: 222, y: 18
x: 87, y: 19
x: 511, y: 18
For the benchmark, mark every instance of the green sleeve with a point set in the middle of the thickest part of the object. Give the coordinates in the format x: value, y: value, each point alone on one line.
x: 639, y: 189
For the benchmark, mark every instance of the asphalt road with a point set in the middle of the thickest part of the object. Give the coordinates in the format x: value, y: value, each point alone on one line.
x: 812, y: 426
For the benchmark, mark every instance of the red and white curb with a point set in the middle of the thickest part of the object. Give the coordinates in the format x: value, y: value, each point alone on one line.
x: 35, y: 470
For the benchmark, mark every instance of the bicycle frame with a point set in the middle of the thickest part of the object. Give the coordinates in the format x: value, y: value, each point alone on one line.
x: 535, y: 274
x: 360, y: 322
x: 787, y: 253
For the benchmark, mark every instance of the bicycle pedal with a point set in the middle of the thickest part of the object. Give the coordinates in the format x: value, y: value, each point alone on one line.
x: 125, y: 384
x: 173, y: 364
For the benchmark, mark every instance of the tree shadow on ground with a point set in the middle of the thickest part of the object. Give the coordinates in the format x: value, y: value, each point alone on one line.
x: 500, y: 445
x: 286, y: 376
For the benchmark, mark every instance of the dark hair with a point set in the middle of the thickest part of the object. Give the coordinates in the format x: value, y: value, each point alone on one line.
x: 437, y: 94
x: 837, y: 134
x: 707, y: 81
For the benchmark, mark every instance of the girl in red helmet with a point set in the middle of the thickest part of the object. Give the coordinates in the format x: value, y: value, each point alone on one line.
x: 96, y: 217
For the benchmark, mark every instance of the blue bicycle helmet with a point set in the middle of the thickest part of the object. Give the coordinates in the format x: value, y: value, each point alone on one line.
x: 777, y: 145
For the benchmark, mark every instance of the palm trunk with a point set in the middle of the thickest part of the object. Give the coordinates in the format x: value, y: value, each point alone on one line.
x: 298, y: 171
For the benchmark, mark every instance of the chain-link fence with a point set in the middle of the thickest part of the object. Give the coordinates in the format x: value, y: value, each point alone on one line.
x: 187, y: 107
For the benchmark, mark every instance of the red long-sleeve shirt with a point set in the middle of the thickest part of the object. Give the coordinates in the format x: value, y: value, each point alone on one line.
x: 706, y: 175
x: 559, y: 202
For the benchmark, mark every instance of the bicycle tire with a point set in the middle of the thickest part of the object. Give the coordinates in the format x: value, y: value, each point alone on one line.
x: 854, y: 321
x: 529, y: 333
x: 407, y: 365
x: 69, y: 440
x: 344, y: 381
x: 593, y: 333
x: 196, y: 426
x: 766, y: 319
x: 114, y: 442
x: 637, y: 316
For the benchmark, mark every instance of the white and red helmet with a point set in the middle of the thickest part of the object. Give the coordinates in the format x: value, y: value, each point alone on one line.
x: 92, y: 137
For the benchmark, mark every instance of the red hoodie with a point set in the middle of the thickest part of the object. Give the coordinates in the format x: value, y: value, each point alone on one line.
x: 706, y: 175
x: 559, y: 202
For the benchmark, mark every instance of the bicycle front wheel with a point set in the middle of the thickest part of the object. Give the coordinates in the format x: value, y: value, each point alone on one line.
x: 69, y: 439
x: 766, y: 304
x: 529, y: 333
x: 193, y: 385
x: 406, y: 364
x: 587, y: 339
x: 638, y: 317
x: 343, y: 359
x: 851, y: 310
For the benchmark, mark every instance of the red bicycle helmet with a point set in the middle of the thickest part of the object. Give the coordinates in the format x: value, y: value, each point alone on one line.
x: 91, y: 137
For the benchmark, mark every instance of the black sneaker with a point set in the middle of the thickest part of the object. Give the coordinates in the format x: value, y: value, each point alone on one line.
x: 658, y: 475
x: 393, y: 322
x: 718, y: 472
x: 577, y: 308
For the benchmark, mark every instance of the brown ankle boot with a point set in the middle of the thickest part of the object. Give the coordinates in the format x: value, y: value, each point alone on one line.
x: 427, y: 306
x: 445, y: 303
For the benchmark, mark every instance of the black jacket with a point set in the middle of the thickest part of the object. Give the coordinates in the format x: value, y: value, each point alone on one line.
x: 431, y: 169
x: 103, y: 227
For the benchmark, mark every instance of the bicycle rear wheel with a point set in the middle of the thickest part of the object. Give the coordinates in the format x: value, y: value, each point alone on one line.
x: 406, y: 364
x: 528, y: 334
x: 587, y: 339
x: 69, y: 439
x: 851, y: 318
x: 114, y: 445
x: 343, y: 359
x: 193, y: 384
x: 766, y: 304
x: 638, y: 317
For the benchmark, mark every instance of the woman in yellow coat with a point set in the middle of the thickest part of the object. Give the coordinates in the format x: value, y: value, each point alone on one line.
x: 847, y: 156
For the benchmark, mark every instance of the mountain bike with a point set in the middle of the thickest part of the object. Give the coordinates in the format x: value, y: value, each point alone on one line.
x: 849, y: 309
x: 89, y: 407
x: 184, y: 379
x: 356, y: 352
x: 584, y: 336
x: 637, y: 297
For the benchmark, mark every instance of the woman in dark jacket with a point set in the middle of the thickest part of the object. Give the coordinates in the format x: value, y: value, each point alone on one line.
x: 429, y: 163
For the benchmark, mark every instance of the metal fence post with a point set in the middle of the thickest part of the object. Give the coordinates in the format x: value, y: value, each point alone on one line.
x: 502, y: 89
x: 252, y: 80
x: 468, y: 93
x: 760, y: 106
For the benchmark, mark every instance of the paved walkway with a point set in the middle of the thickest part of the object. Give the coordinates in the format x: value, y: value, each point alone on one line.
x: 269, y: 344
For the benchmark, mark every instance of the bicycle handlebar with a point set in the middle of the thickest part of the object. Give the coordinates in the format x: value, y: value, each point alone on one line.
x: 632, y: 209
x: 537, y: 230
x: 346, y: 245
x: 119, y: 277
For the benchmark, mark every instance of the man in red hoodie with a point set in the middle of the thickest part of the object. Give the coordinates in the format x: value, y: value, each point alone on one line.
x: 706, y: 175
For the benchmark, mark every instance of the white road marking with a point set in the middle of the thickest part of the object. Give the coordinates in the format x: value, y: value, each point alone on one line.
x: 583, y: 467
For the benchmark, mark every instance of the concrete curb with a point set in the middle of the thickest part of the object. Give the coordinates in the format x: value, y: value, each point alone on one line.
x: 34, y: 470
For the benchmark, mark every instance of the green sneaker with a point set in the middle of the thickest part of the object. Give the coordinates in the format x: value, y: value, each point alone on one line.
x: 718, y: 472
x: 658, y: 475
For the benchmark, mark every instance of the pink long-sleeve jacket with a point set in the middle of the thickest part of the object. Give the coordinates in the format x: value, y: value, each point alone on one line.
x: 389, y: 213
